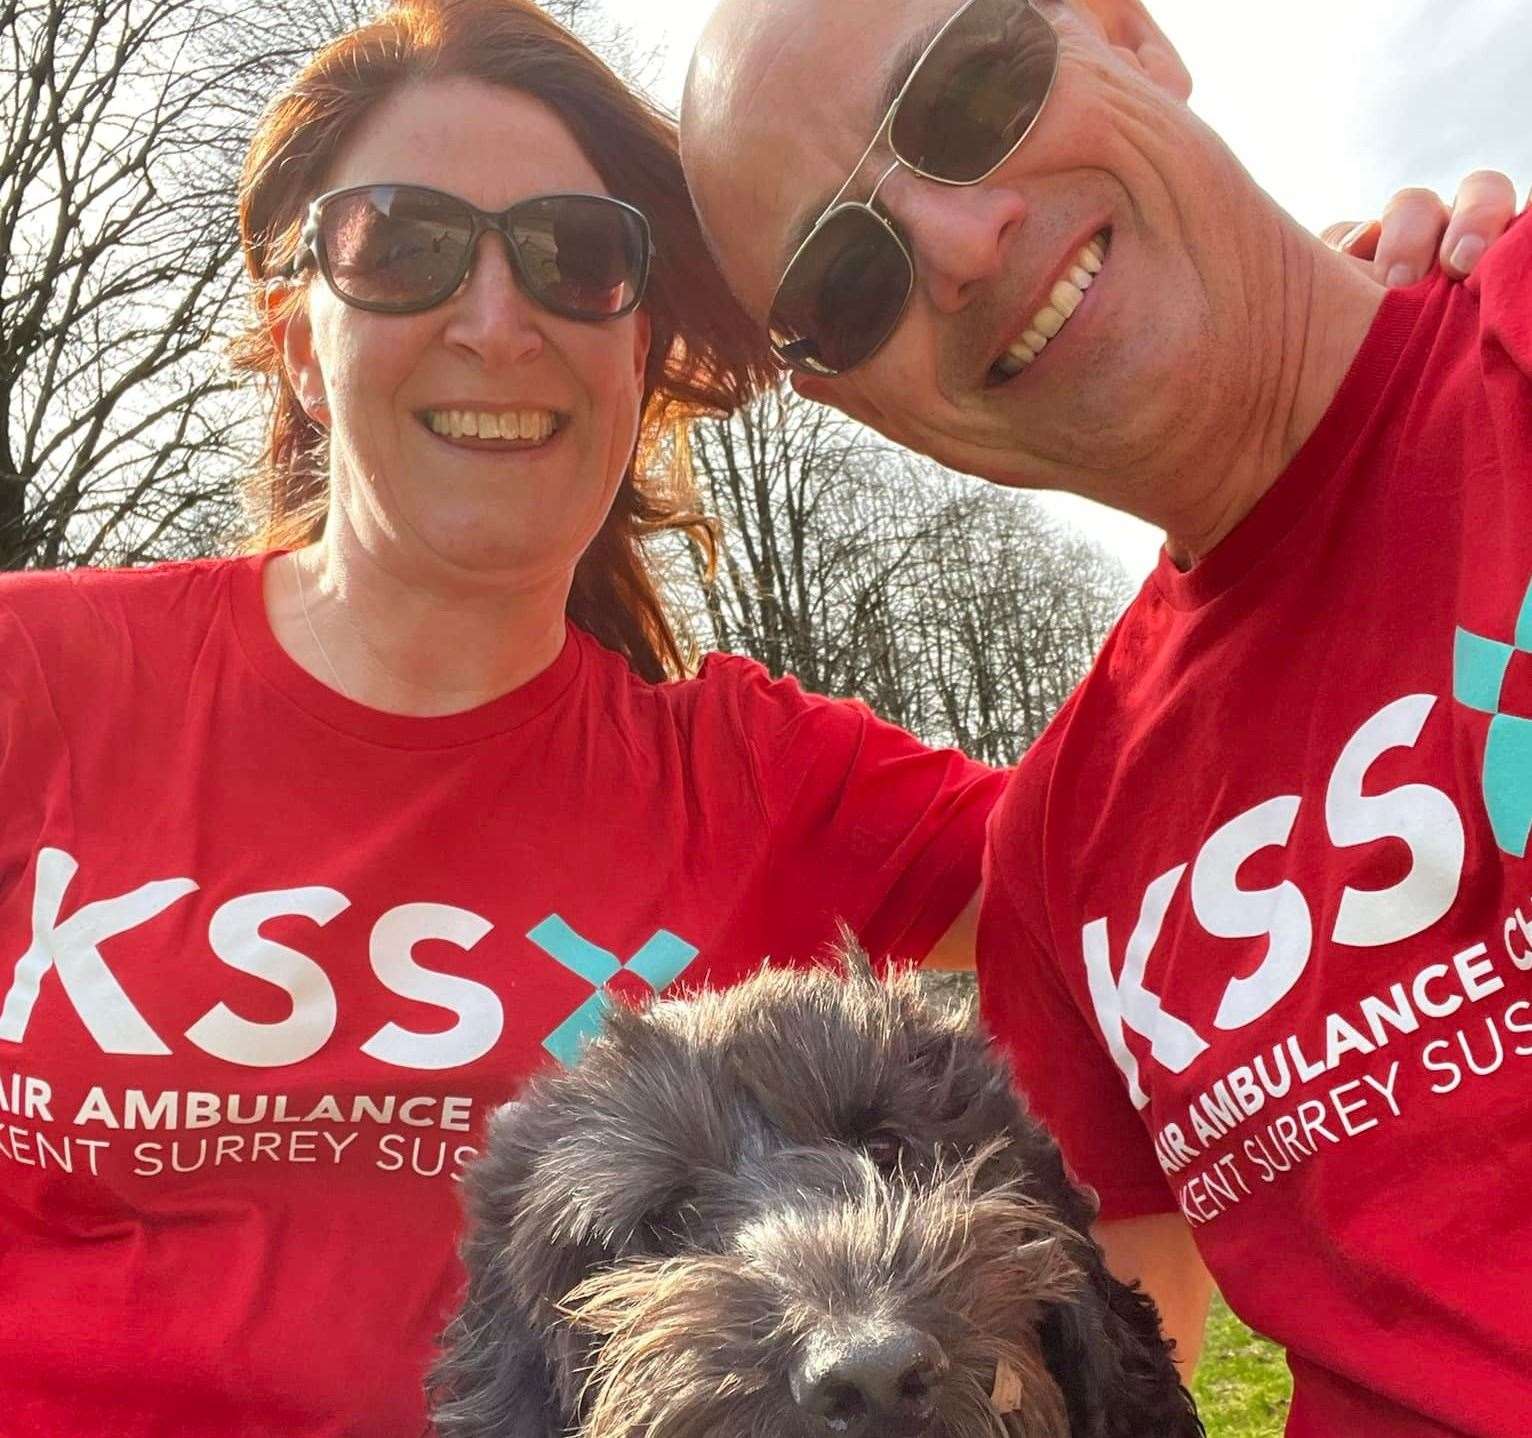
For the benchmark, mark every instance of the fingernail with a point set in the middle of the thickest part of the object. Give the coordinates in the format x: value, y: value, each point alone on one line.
x: 1466, y: 254
x: 1353, y: 235
x: 1401, y: 276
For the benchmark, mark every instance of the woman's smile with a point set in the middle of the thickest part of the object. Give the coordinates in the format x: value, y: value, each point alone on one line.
x: 496, y: 429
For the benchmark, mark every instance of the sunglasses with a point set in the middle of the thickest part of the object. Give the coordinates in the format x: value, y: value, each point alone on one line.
x: 971, y: 99
x: 397, y: 249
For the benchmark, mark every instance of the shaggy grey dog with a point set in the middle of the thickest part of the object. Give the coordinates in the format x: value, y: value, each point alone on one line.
x: 810, y: 1205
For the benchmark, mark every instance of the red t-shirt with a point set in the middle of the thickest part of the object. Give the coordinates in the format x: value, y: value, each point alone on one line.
x: 267, y: 957
x: 1258, y: 916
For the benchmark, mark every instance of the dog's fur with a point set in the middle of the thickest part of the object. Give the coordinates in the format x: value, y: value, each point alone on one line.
x: 662, y: 1233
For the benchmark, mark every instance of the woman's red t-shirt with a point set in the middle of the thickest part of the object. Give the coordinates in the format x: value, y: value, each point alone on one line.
x: 267, y: 957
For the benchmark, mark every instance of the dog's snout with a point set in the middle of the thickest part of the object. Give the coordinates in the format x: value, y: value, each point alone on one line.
x: 871, y: 1381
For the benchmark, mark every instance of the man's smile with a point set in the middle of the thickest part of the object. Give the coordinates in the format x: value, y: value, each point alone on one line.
x: 1065, y: 296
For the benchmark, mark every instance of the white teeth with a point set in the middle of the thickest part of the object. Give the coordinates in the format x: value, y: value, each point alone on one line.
x: 1048, y: 321
x: 1064, y: 299
x: 525, y: 424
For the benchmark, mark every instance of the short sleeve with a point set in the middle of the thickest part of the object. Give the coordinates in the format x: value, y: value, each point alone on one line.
x: 868, y: 825
x: 1059, y: 1059
x: 1504, y: 285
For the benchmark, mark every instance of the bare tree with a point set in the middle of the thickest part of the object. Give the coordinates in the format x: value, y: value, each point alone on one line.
x: 115, y: 248
x: 954, y: 608
x: 613, y: 41
x: 122, y: 126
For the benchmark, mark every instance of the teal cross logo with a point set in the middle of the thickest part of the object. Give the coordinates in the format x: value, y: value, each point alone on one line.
x: 1479, y: 668
x: 656, y: 965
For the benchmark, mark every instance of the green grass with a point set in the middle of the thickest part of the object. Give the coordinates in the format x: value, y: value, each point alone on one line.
x: 1242, y: 1385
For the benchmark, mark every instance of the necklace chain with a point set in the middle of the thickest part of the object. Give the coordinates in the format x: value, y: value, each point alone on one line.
x: 303, y: 604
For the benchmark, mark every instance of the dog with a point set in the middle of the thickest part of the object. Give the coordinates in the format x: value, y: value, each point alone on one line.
x: 809, y: 1206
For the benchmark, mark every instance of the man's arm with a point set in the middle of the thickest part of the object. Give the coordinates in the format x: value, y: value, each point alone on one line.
x: 1160, y: 1253
x: 1157, y: 1251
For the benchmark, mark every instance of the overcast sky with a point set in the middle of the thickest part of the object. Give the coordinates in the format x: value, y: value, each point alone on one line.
x: 1332, y: 104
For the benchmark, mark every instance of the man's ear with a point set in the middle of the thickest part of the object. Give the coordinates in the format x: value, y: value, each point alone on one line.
x: 1128, y: 26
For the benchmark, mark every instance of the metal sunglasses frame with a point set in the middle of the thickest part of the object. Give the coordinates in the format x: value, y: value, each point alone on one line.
x: 884, y: 136
x: 311, y: 248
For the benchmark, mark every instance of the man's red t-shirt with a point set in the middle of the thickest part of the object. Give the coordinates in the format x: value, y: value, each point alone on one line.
x: 267, y: 958
x: 1258, y: 916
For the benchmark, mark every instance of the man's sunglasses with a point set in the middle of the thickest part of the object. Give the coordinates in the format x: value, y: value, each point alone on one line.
x: 972, y: 98
x: 397, y: 249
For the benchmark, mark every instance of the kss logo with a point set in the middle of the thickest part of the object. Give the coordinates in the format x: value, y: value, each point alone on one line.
x: 1480, y: 667
x: 656, y: 965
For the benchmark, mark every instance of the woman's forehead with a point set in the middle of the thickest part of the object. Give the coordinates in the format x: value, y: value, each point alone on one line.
x: 487, y: 143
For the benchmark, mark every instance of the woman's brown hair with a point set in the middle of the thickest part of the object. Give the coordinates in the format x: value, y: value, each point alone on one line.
x: 706, y: 355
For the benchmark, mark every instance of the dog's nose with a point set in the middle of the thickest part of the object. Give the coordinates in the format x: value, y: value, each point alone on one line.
x: 870, y: 1382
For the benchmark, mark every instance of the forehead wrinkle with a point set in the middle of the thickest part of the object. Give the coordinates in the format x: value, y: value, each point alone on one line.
x: 903, y: 65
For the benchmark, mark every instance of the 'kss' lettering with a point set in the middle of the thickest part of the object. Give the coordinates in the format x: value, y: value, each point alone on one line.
x: 235, y: 936
x: 480, y: 1016
x: 72, y: 947
x: 1423, y: 818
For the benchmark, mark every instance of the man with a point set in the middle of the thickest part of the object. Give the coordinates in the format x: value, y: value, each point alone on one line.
x: 1257, y: 926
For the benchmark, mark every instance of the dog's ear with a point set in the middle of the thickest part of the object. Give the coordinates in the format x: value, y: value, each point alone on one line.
x: 501, y: 1357
x: 1104, y: 1349
x: 492, y: 1380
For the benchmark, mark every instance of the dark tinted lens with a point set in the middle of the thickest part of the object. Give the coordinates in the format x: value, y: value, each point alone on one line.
x: 842, y: 295
x: 581, y: 255
x: 977, y: 92
x: 395, y: 247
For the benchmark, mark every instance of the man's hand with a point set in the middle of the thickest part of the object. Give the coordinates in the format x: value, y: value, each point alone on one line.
x: 1416, y: 228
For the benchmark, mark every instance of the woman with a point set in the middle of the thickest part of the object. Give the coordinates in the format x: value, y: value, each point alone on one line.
x: 310, y: 857
x: 376, y: 821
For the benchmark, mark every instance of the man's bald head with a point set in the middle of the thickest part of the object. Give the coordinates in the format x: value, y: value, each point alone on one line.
x: 771, y: 96
x: 1119, y: 235
x: 783, y: 89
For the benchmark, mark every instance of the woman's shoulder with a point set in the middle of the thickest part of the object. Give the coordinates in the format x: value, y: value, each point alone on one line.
x: 45, y: 592
x: 69, y: 611
x: 728, y: 700
x: 746, y: 692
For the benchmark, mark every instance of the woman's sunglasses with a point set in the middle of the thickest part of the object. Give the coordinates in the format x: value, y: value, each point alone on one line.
x: 397, y: 249
x: 971, y: 99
